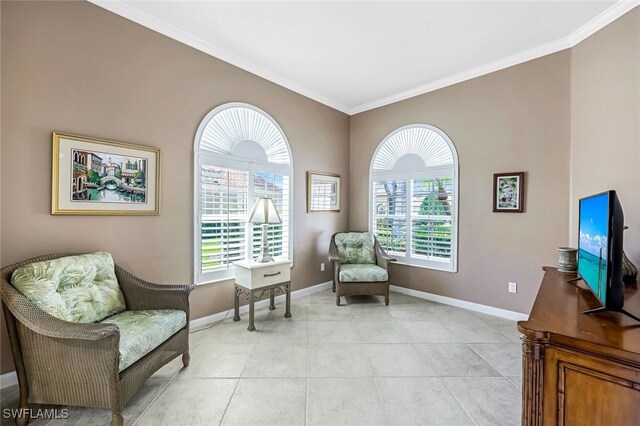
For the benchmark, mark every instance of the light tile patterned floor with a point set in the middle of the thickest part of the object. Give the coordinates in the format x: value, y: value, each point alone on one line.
x: 363, y: 363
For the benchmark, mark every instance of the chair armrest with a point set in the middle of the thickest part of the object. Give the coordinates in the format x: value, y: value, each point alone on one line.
x: 40, y: 322
x: 333, y: 253
x: 141, y: 295
x: 383, y: 259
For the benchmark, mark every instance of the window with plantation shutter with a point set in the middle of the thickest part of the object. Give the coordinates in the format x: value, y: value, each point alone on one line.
x: 224, y: 210
x: 414, y: 187
x: 241, y: 154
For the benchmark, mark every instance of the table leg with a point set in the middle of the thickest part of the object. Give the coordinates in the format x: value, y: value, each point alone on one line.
x: 287, y: 314
x: 236, y: 305
x: 251, y: 318
x: 272, y: 306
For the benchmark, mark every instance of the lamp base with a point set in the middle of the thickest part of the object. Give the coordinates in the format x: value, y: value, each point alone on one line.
x: 264, y: 255
x: 262, y: 258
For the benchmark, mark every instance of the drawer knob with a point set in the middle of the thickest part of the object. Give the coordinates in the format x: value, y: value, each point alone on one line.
x: 271, y: 275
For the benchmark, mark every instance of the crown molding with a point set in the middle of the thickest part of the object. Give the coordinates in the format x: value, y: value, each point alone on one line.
x: 131, y: 13
x: 469, y: 74
x: 602, y: 20
x: 120, y: 8
x: 591, y: 27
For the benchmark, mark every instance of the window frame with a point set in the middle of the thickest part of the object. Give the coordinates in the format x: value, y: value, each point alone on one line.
x: 408, y: 176
x: 240, y: 163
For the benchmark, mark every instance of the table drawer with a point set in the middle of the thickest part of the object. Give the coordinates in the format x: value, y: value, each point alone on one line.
x: 263, y: 276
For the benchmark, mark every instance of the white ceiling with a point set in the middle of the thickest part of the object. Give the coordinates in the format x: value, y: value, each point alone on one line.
x: 355, y: 56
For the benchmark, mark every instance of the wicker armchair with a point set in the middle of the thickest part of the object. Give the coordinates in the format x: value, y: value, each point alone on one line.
x: 68, y: 363
x: 360, y: 265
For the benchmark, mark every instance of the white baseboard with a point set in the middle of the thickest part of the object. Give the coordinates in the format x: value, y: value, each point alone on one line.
x: 200, y: 323
x: 8, y: 379
x: 477, y: 307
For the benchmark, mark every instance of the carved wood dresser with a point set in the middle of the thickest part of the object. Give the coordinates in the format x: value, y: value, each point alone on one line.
x: 579, y: 369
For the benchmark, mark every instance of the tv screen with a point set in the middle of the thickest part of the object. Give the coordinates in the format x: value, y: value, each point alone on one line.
x: 593, y: 244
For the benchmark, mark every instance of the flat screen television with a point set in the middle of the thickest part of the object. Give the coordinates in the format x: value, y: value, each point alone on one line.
x: 601, y: 226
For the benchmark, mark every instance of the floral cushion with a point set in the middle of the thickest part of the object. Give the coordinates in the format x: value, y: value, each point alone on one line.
x: 143, y: 331
x: 362, y: 273
x: 356, y: 247
x: 80, y: 288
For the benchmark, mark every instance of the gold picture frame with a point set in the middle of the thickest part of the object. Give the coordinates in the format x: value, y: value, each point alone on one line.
x: 323, y: 192
x: 92, y: 176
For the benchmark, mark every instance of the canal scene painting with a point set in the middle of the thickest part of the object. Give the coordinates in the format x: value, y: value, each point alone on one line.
x: 102, y: 177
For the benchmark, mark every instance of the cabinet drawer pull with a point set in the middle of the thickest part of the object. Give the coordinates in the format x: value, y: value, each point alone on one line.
x: 271, y: 275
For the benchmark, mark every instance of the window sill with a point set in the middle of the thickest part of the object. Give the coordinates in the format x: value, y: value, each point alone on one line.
x: 444, y: 268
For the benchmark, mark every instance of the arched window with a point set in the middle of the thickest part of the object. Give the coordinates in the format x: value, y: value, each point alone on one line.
x: 414, y: 197
x: 240, y: 154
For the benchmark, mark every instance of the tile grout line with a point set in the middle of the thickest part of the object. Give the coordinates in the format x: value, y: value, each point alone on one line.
x: 224, y: 413
x: 486, y: 360
x: 446, y: 386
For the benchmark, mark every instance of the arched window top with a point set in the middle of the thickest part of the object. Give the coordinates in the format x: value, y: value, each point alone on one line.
x: 416, y: 146
x: 238, y: 129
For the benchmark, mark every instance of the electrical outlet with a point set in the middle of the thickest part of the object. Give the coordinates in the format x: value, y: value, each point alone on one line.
x: 322, y: 267
x: 513, y: 287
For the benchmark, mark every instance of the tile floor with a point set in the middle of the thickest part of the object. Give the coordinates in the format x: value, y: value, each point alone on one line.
x: 413, y: 362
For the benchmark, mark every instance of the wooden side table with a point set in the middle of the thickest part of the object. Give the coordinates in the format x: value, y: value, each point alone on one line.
x: 256, y: 280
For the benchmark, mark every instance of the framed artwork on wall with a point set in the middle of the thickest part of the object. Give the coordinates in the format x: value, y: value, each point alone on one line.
x: 93, y: 176
x: 323, y: 192
x: 508, y: 192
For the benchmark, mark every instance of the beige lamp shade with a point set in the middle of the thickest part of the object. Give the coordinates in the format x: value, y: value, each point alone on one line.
x: 264, y: 211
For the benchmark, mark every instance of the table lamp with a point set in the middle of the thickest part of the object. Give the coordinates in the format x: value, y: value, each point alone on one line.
x: 265, y: 213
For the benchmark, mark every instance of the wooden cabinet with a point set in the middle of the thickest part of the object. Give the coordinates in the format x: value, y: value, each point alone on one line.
x: 579, y: 369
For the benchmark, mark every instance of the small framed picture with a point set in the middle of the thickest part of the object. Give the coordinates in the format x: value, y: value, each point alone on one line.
x: 323, y: 192
x: 508, y: 192
x: 99, y: 177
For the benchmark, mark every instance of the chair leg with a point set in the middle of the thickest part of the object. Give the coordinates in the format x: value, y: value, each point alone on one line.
x: 186, y: 358
x: 333, y: 287
x: 117, y: 419
x: 386, y: 300
x: 23, y: 416
x: 337, y: 300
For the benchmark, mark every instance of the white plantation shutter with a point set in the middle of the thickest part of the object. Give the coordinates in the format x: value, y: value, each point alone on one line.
x: 414, y: 186
x: 431, y: 219
x: 224, y: 210
x: 275, y: 186
x: 390, y: 214
x: 241, y: 154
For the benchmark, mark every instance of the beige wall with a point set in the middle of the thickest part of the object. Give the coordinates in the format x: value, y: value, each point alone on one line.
x: 513, y: 120
x: 77, y: 68
x: 605, y: 122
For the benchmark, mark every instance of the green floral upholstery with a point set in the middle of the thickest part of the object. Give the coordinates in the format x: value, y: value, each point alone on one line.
x: 356, y: 248
x: 80, y: 288
x: 362, y: 273
x: 143, y: 331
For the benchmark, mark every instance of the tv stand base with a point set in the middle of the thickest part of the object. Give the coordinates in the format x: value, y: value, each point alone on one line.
x: 603, y: 309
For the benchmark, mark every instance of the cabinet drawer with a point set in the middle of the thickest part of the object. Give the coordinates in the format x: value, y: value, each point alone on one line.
x: 263, y: 276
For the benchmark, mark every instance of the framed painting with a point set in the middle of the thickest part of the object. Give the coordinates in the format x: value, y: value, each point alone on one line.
x: 93, y: 176
x: 323, y: 192
x: 508, y: 192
